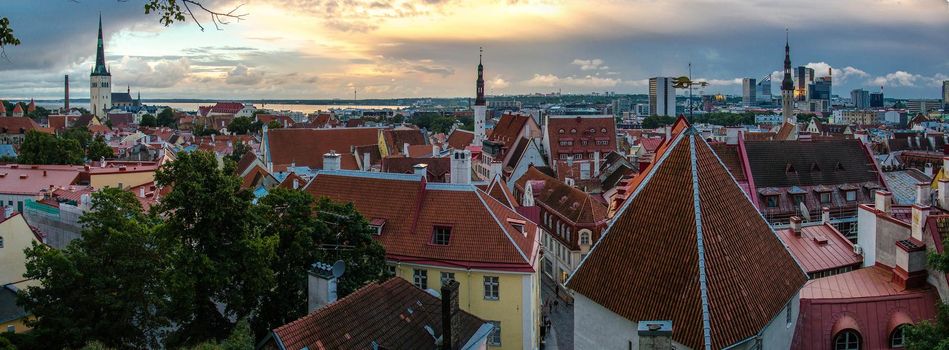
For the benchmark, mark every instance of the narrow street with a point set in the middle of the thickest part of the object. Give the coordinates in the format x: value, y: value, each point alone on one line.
x: 561, y: 318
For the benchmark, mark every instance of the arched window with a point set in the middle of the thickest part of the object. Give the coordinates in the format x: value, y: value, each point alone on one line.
x: 847, y: 340
x: 898, y: 338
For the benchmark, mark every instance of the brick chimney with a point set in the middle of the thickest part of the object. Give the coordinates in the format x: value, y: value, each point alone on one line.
x: 942, y: 190
x: 331, y: 161
x: 796, y: 225
x: 920, y: 210
x: 883, y: 201
x: 655, y: 335
x: 910, y: 268
x: 451, y: 317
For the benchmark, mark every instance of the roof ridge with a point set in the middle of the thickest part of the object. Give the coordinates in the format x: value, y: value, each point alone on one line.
x: 703, y: 283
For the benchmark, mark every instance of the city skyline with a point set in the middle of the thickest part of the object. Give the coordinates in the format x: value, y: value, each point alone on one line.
x: 321, y: 49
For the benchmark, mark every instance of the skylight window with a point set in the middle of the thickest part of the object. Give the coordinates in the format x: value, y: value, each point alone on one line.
x: 441, y: 235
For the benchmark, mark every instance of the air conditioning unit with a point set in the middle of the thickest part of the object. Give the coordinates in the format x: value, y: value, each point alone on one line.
x: 857, y: 249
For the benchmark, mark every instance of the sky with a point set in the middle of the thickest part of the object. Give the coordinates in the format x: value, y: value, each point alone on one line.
x: 320, y: 49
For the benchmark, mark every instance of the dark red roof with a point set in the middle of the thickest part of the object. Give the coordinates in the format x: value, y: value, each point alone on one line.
x: 17, y: 125
x: 61, y: 122
x: 483, y: 233
x: 459, y: 139
x: 655, y: 251
x: 571, y: 203
x: 395, y: 139
x: 121, y: 120
x: 392, y: 315
x: 508, y: 128
x: 580, y: 129
x: 820, y: 248
x: 498, y: 189
x: 227, y: 107
x: 438, y: 169
x: 282, y: 119
x: 306, y: 147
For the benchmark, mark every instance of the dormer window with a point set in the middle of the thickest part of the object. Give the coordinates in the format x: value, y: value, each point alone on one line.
x: 441, y: 235
x: 850, y: 195
x: 771, y: 201
x: 573, y: 131
x: 560, y: 131
x: 825, y: 197
x: 376, y: 225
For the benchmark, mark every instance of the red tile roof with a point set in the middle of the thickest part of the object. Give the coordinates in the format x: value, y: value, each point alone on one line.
x: 651, y: 144
x: 285, y: 121
x: 508, y: 128
x: 655, y: 253
x: 483, y: 232
x: 498, y: 189
x: 571, y: 203
x: 17, y: 125
x: 23, y: 180
x: 306, y: 147
x: 459, y: 139
x: 61, y: 122
x: 396, y: 138
x: 227, y: 107
x: 820, y: 248
x: 391, y: 314
x: 579, y: 129
x: 865, y: 300
x: 438, y: 169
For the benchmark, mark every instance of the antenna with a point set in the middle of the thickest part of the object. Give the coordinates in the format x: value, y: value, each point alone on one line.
x: 339, y: 268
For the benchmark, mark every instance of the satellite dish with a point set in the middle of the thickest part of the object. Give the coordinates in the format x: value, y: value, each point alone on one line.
x: 339, y: 268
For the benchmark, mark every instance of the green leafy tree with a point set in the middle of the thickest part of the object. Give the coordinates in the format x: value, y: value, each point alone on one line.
x: 241, y: 338
x: 79, y: 133
x: 240, y: 149
x: 655, y: 121
x: 102, y: 287
x: 148, y: 121
x: 932, y: 334
x: 99, y: 149
x: 6, y: 344
x: 240, y: 125
x: 166, y: 118
x: 39, y: 113
x: 349, y: 238
x: 287, y: 215
x: 42, y: 148
x: 213, y: 242
x: 273, y: 124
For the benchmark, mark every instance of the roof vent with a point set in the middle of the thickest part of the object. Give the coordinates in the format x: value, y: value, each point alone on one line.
x: 23, y: 176
x: 820, y: 240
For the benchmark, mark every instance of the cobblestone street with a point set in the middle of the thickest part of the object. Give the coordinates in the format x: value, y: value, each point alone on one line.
x: 561, y: 318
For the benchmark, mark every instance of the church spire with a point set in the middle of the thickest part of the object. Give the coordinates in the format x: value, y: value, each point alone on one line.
x: 479, y: 100
x: 787, y: 83
x: 100, y: 68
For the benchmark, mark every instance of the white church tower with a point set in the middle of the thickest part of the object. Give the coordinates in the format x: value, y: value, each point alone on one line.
x: 100, y: 82
x: 480, y: 107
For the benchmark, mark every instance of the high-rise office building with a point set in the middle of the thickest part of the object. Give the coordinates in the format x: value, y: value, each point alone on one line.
x: 803, y: 77
x: 764, y: 91
x: 662, y: 96
x: 876, y: 99
x: 945, y: 95
x: 749, y: 89
x: 860, y: 98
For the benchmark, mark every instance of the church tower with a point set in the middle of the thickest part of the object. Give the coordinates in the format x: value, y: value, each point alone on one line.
x: 100, y: 82
x: 787, y: 86
x: 480, y: 106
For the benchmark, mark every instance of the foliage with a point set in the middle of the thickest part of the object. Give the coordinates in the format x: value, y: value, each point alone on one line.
x: 202, y: 130
x: 655, y: 121
x: 349, y: 239
x: 240, y: 125
x: 273, y: 124
x: 79, y: 133
x: 148, y: 121
x: 99, y: 149
x: 211, y: 239
x: 40, y: 113
x: 928, y: 335
x: 42, y: 148
x: 166, y: 118
x: 439, y: 123
x: 103, y: 287
x: 240, y: 149
x: 241, y: 338
x: 6, y: 344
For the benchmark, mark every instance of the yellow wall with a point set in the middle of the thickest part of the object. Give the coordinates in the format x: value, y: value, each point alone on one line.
x: 19, y: 325
x: 508, y: 309
x: 129, y: 179
x: 17, y: 236
x: 383, y: 150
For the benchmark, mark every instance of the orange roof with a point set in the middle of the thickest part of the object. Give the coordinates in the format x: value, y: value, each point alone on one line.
x: 483, y: 231
x: 459, y: 139
x: 571, y: 203
x: 689, y: 246
x: 17, y: 125
x: 306, y: 147
x: 820, y: 248
x: 24, y: 180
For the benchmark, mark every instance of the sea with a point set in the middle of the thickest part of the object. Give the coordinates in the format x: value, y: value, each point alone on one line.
x: 193, y: 106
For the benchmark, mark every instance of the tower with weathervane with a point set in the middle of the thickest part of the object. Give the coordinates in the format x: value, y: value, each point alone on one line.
x: 480, y: 106
x: 787, y: 85
x: 100, y: 82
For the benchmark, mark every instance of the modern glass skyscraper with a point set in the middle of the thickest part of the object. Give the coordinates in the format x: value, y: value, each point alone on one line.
x: 662, y: 97
x: 749, y: 91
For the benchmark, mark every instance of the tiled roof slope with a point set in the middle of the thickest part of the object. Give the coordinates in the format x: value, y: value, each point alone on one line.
x: 306, y: 147
x: 396, y: 138
x: 570, y: 202
x: 459, y: 139
x: 508, y: 128
x: 392, y: 314
x: 769, y: 162
x: 483, y: 234
x: 657, y: 252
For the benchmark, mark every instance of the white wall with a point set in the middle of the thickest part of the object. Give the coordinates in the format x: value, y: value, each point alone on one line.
x: 867, y: 235
x: 531, y: 156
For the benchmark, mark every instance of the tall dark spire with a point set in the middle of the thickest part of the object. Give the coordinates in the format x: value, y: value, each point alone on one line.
x: 479, y: 100
x: 787, y: 83
x: 100, y: 68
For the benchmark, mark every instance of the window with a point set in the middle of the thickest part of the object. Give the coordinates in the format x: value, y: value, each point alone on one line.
x: 573, y: 131
x: 584, y: 238
x: 491, y: 285
x: 519, y: 228
x: 560, y: 131
x: 603, y: 130
x: 566, y: 143
x: 771, y: 201
x: 564, y: 156
x: 602, y: 142
x: 11, y: 328
x: 494, y: 339
x: 578, y: 156
x: 851, y: 195
x: 421, y: 278
x: 787, y: 314
x: 847, y: 340
x: 897, y: 339
x: 825, y: 198
x: 1, y: 242
x: 391, y: 269
x: 441, y: 235
x: 447, y: 276
x: 797, y: 199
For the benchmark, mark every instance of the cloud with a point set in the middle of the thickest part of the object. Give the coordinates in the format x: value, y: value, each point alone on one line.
x: 589, y: 81
x: 440, y: 70
x: 593, y: 64
x: 161, y: 73
x: 242, y: 75
x: 498, y: 83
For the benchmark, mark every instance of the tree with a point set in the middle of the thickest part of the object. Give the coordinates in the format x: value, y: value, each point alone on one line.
x: 273, y: 124
x: 42, y: 148
x: 240, y: 149
x: 655, y: 121
x: 349, y: 238
x: 240, y: 125
x: 39, y: 113
x: 166, y: 118
x: 148, y: 121
x: 98, y: 149
x: 288, y: 217
x: 81, y: 134
x: 932, y: 334
x: 102, y: 287
x: 214, y: 244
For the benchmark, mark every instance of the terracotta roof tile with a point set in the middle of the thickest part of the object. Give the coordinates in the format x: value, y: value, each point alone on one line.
x: 459, y: 139
x: 652, y: 250
x: 438, y: 168
x: 17, y: 125
x: 391, y: 314
x: 306, y: 147
x: 569, y: 202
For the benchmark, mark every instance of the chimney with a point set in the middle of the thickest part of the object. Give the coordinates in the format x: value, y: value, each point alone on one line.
x: 942, y: 189
x: 655, y: 335
x: 365, y: 162
x: 66, y: 101
x: 920, y: 210
x: 796, y: 225
x: 296, y: 184
x: 461, y: 167
x: 911, y: 261
x: 451, y: 317
x: 435, y: 150
x: 331, y: 161
x: 321, y: 284
x: 883, y: 200
x: 141, y: 192
x: 928, y: 169
x: 596, y: 163
x: 731, y: 135
x: 825, y: 215
x: 269, y: 167
x: 421, y: 169
x: 405, y: 149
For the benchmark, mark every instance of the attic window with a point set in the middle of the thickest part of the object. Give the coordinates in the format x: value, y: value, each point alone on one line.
x: 518, y: 225
x: 441, y: 235
x: 603, y: 130
x: 560, y: 131
x: 573, y: 131
x: 376, y: 225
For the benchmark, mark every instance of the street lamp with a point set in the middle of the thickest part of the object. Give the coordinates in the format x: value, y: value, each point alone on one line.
x: 687, y: 83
